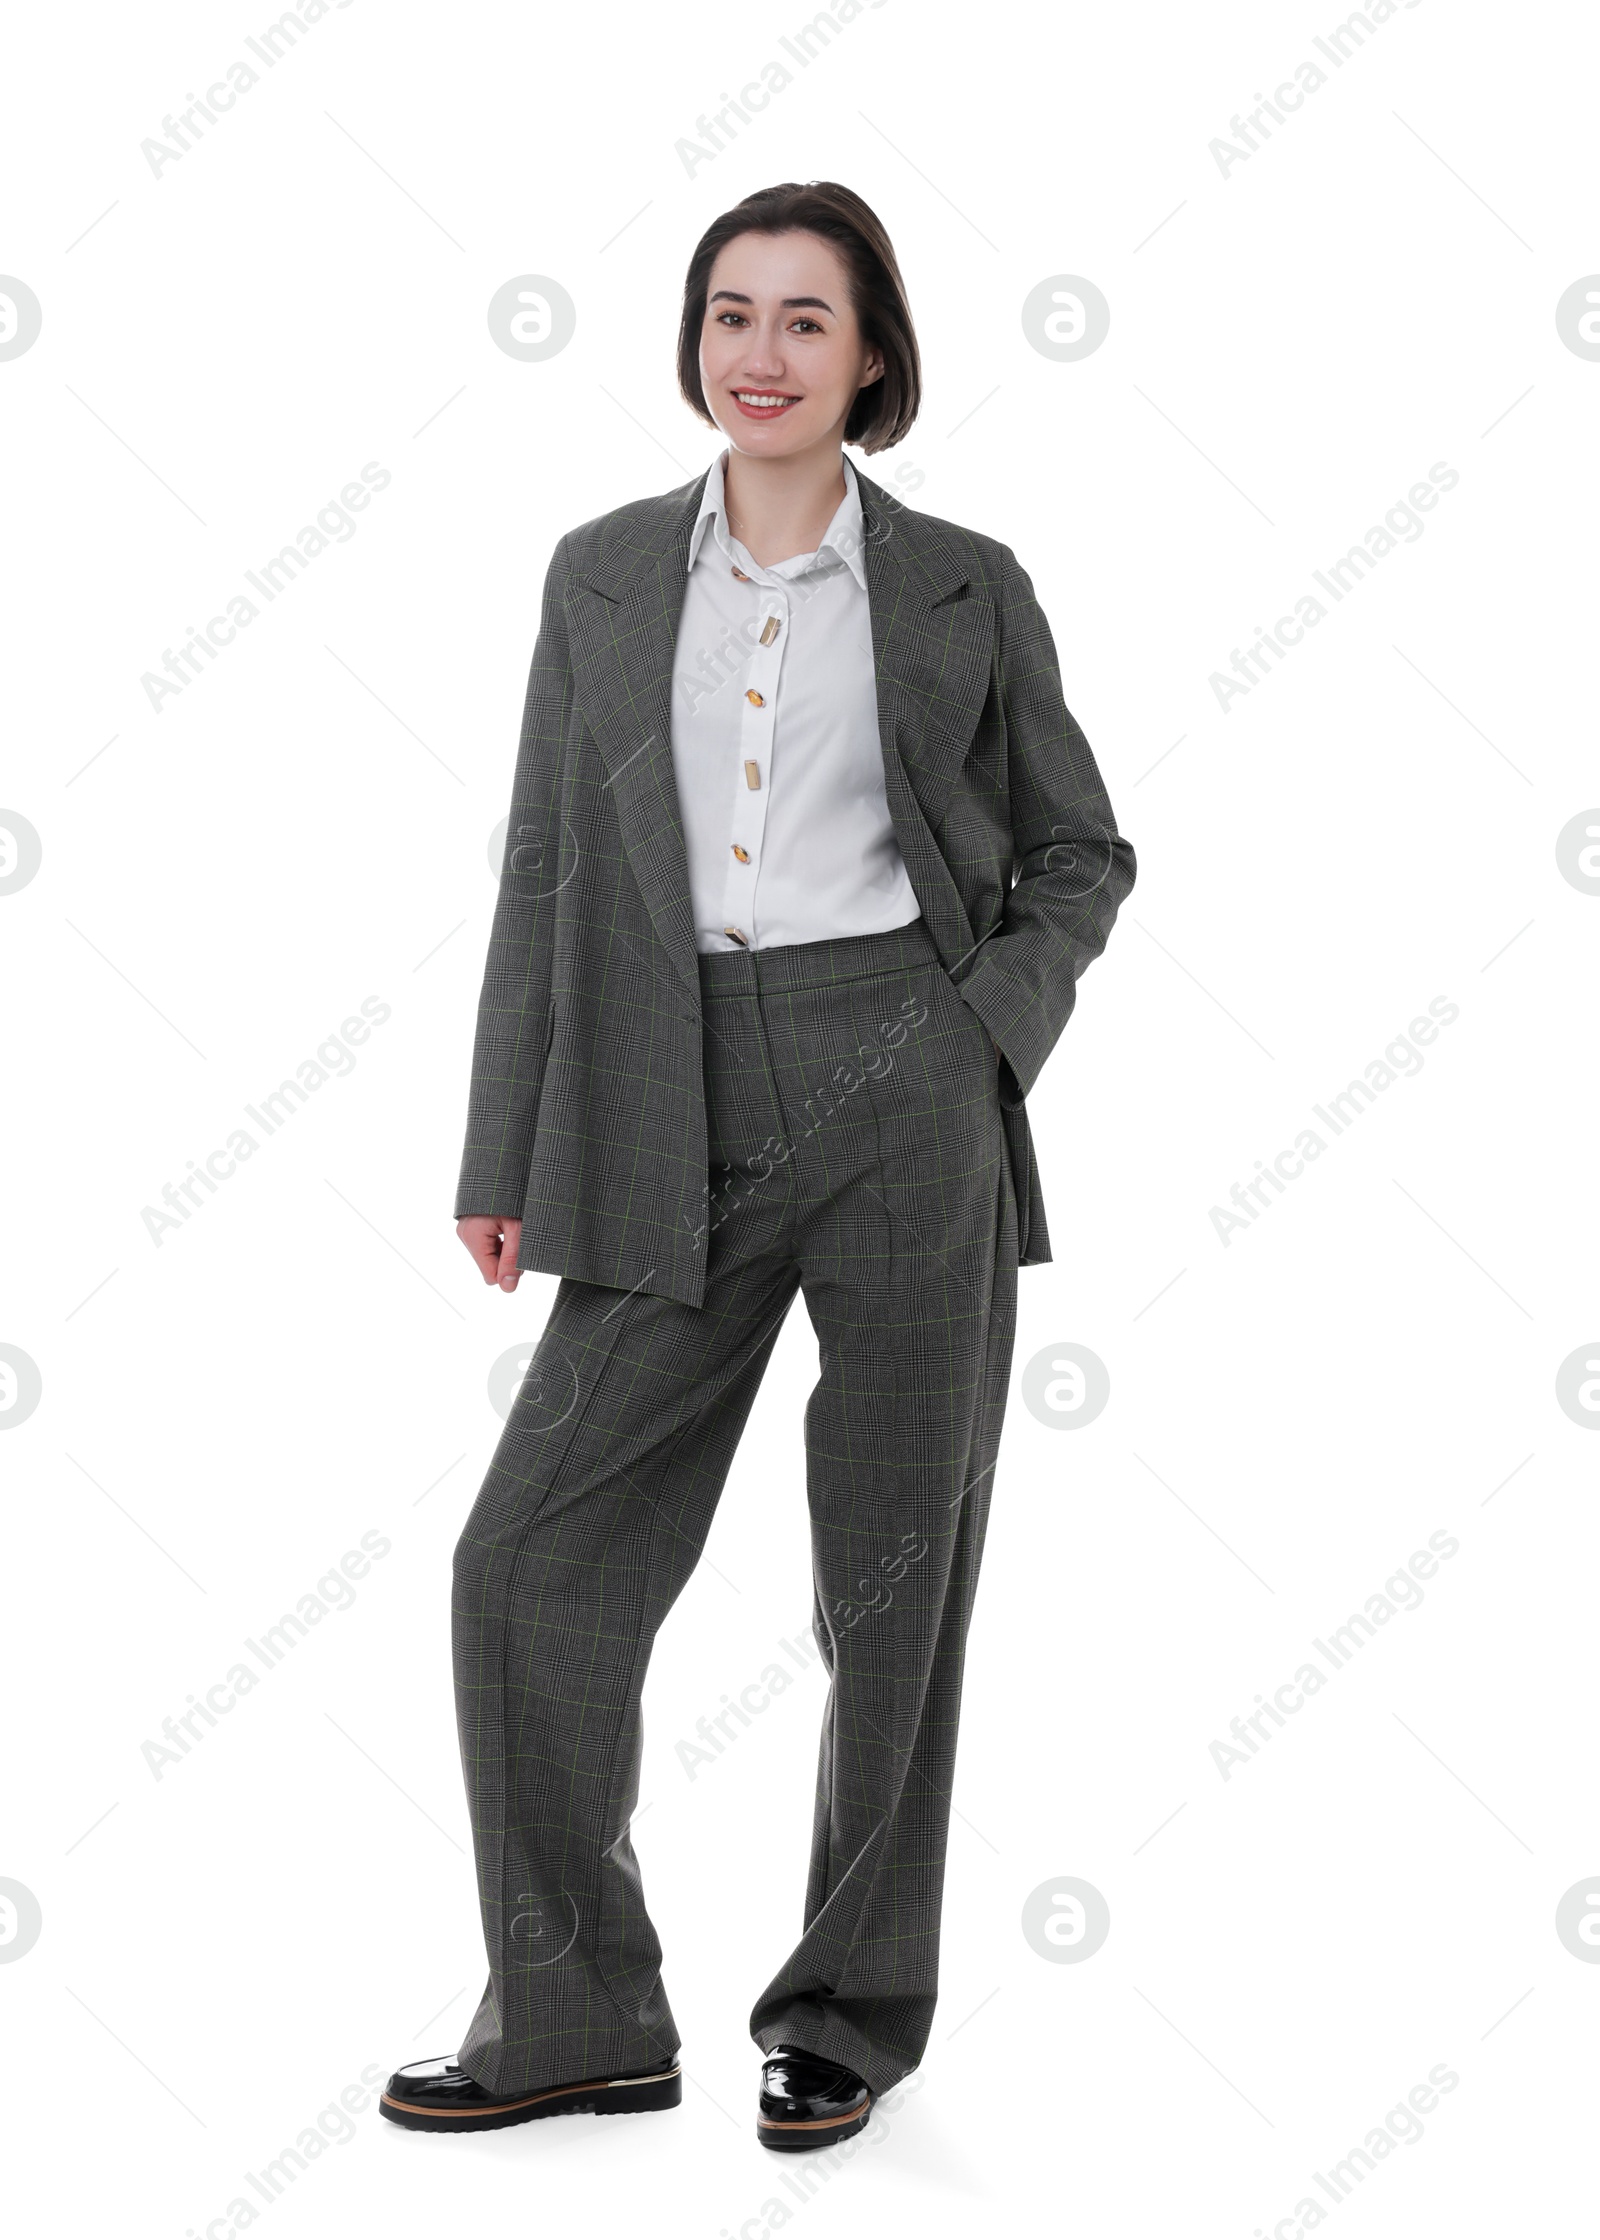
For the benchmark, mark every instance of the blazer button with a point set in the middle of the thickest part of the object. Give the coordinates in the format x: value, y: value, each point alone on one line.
x: 742, y: 853
x: 756, y: 699
x: 734, y: 934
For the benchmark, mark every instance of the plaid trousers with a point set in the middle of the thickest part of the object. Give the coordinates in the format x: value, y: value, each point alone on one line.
x: 857, y: 1155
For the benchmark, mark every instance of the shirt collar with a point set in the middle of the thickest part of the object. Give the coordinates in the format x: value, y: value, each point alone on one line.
x: 842, y: 540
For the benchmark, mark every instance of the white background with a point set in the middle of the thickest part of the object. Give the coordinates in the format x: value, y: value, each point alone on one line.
x: 306, y: 1358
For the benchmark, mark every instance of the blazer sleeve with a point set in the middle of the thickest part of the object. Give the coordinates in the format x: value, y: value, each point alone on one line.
x: 1071, y: 867
x: 512, y: 1034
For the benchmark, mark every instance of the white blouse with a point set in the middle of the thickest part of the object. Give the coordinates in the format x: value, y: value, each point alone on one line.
x: 775, y: 741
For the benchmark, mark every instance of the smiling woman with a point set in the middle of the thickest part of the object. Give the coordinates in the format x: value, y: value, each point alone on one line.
x: 804, y: 324
x: 810, y: 855
x: 821, y: 347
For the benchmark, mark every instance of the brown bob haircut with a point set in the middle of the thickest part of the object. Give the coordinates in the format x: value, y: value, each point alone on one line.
x: 883, y: 412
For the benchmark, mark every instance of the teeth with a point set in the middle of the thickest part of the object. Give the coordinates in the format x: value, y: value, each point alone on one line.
x: 747, y: 396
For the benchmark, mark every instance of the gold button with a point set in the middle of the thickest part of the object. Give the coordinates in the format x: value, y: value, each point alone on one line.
x: 743, y: 578
x: 742, y: 853
x: 752, y: 776
x: 756, y: 699
x: 734, y: 934
x: 770, y: 629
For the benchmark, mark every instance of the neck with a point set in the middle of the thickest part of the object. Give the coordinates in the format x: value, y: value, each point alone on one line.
x: 780, y: 507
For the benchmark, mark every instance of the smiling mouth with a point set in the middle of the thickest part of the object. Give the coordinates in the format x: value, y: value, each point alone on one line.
x: 763, y: 404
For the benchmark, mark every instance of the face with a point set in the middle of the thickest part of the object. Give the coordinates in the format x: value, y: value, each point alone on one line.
x: 780, y: 326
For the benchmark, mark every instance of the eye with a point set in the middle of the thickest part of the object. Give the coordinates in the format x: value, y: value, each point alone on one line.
x: 814, y: 324
x: 724, y: 316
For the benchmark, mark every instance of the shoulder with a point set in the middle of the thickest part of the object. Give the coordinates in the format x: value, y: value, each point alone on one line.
x: 991, y: 565
x: 624, y: 529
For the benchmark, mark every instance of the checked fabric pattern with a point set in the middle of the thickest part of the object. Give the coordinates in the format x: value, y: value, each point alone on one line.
x: 586, y: 1114
x: 852, y: 1101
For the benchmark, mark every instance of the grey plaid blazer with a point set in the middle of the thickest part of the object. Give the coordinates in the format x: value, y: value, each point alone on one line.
x: 586, y: 1115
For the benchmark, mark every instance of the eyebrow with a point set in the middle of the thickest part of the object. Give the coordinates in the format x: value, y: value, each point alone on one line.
x: 789, y: 303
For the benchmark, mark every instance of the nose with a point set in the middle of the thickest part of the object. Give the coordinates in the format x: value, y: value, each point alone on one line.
x: 763, y: 355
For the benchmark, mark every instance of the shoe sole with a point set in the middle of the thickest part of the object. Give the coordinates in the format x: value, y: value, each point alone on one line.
x: 600, y: 2096
x: 816, y: 2131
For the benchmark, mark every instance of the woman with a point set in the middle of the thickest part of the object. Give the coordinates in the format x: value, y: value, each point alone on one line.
x: 805, y: 857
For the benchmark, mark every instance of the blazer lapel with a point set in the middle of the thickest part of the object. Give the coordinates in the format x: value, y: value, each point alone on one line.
x: 932, y: 648
x: 622, y: 620
x: 932, y: 641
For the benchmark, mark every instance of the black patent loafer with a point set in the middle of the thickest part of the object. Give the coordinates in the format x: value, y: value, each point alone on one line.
x: 438, y: 2095
x: 808, y: 2102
